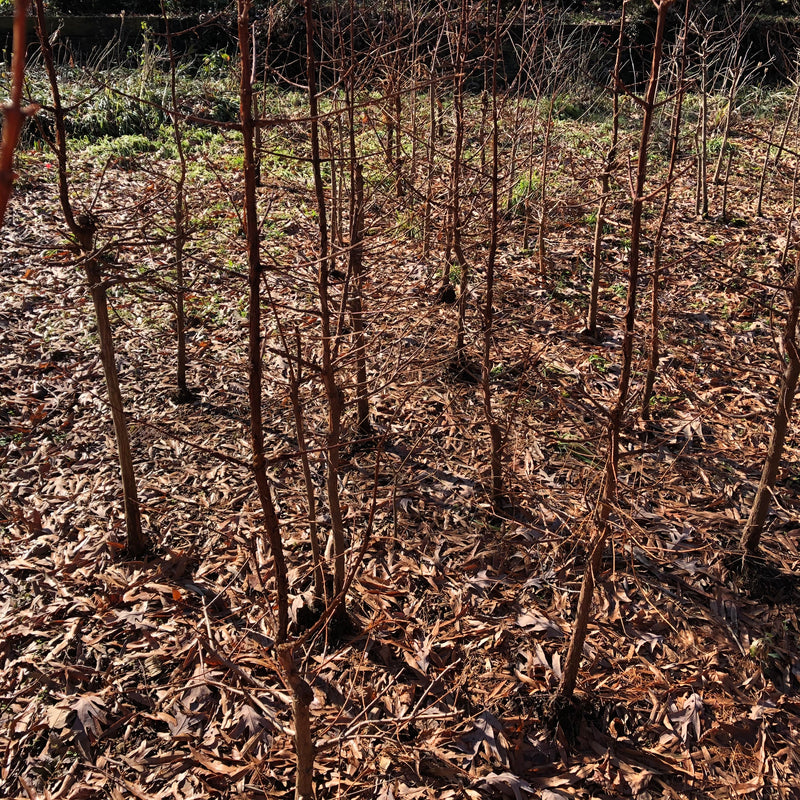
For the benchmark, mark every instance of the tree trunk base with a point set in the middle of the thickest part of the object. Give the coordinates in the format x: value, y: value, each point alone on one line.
x: 184, y: 396
x: 763, y: 581
x: 446, y: 295
x: 565, y: 716
x: 463, y: 369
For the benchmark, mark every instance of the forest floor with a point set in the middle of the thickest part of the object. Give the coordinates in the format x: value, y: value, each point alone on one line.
x: 155, y: 677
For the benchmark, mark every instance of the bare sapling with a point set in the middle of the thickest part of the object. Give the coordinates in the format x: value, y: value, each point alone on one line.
x: 413, y: 113
x: 296, y: 378
x: 725, y: 185
x: 82, y: 228
x: 764, y: 169
x: 734, y: 84
x: 604, y: 182
x: 335, y: 207
x: 397, y: 113
x: 741, y: 19
x: 301, y: 692
x: 550, y: 72
x: 495, y: 431
x: 388, y: 117
x: 547, y: 77
x: 533, y: 28
x: 430, y: 161
x: 543, y: 200
x: 790, y: 220
x: 302, y: 697
x: 751, y: 536
x: 254, y: 357
x: 654, y: 352
x: 13, y: 114
x: 482, y: 127
x: 780, y: 147
x: 180, y: 216
x: 356, y: 269
x: 701, y: 134
x: 456, y: 167
x: 527, y: 204
x: 333, y: 391
x: 356, y: 245
x: 608, y: 497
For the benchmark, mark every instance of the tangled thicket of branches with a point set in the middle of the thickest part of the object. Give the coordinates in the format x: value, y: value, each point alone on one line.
x: 447, y: 361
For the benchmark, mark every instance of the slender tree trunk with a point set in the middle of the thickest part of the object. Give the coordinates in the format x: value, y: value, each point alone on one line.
x: 654, y: 354
x: 732, y: 92
x: 725, y: 185
x: 301, y: 692
x: 302, y: 697
x: 295, y: 379
x: 655, y: 327
x: 764, y: 169
x: 398, y: 131
x: 335, y: 232
x: 751, y: 537
x: 482, y: 126
x: 413, y: 110
x: 356, y: 253
x: 426, y: 219
x: 388, y: 114
x: 495, y: 433
x: 333, y: 391
x: 271, y: 523
x: 180, y: 215
x: 455, y: 181
x: 356, y: 304
x: 83, y: 230
x: 569, y: 675
x: 526, y: 236
x: 779, y: 151
x: 605, y: 187
x: 702, y: 148
x: 529, y: 45
x: 543, y: 211
x: 136, y: 539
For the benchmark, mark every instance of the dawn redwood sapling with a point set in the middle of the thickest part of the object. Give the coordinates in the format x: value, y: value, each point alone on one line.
x: 736, y: 73
x: 427, y: 209
x: 456, y: 170
x: 608, y: 498
x: 495, y: 433
x: 356, y: 241
x: 751, y: 536
x: 604, y: 181
x: 658, y: 242
x: 780, y: 147
x: 549, y: 73
x: 333, y: 391
x: 541, y: 244
x: 356, y: 268
x: 703, y: 28
x: 180, y: 216
x: 725, y: 186
x: 295, y: 380
x: 533, y: 29
x: 254, y: 356
x: 82, y: 228
x: 301, y: 692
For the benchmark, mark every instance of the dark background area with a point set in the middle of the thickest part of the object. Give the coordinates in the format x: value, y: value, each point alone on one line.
x: 772, y: 27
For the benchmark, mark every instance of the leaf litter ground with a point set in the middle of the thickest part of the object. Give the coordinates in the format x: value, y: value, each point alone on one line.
x: 156, y: 678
